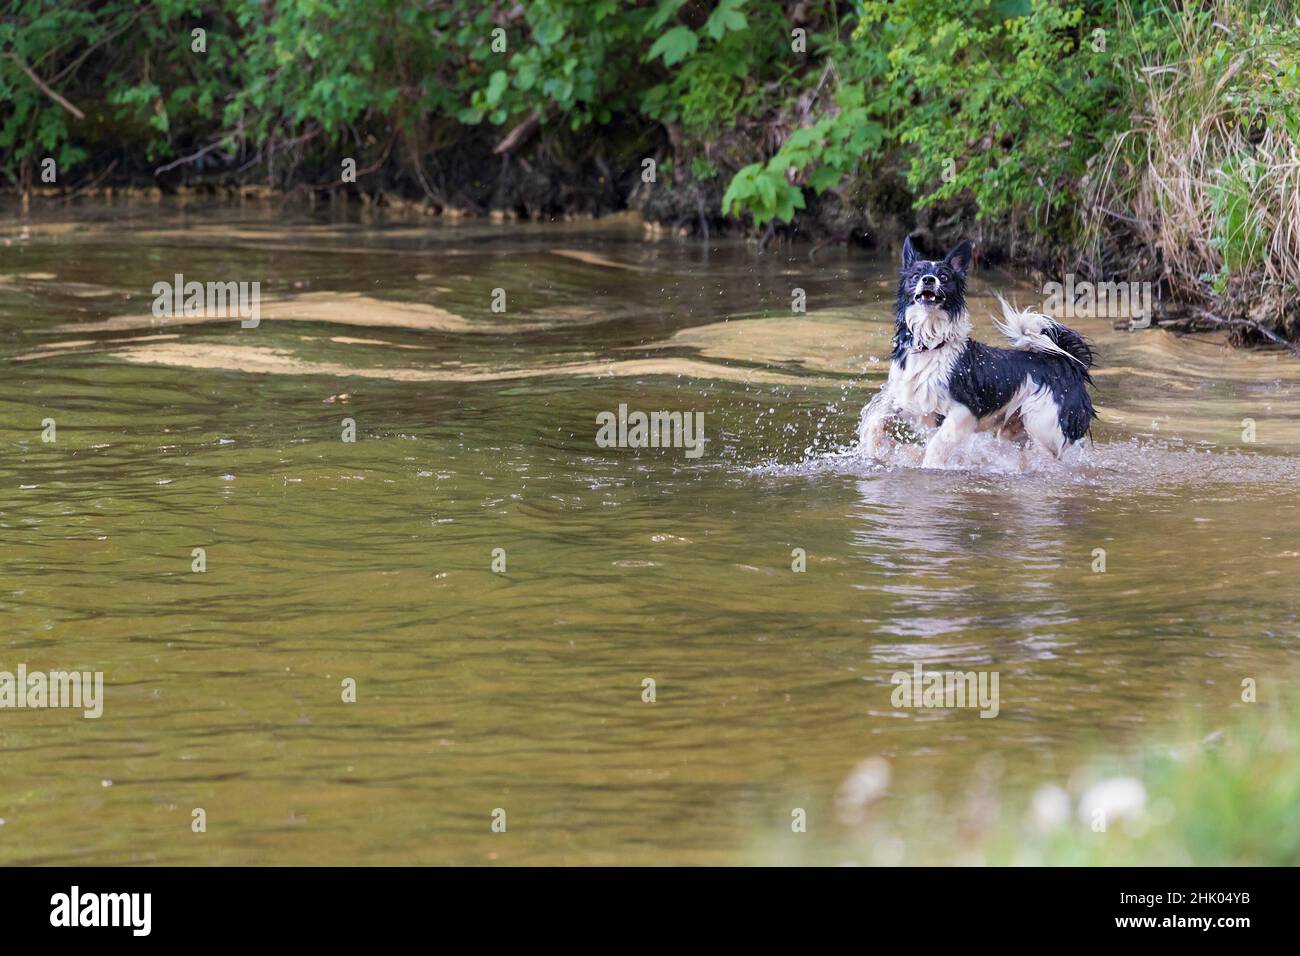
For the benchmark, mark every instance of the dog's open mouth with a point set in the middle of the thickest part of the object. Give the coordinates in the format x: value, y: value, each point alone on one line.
x: 927, y: 297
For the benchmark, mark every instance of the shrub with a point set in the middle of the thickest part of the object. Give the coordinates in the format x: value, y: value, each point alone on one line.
x: 1208, y: 171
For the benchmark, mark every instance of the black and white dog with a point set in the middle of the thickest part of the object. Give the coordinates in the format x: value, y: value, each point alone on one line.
x: 938, y: 376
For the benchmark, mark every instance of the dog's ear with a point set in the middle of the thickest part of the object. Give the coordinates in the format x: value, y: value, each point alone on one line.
x: 959, y: 258
x: 910, y: 254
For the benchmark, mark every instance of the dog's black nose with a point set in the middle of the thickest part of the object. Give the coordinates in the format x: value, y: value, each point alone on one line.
x: 927, y: 281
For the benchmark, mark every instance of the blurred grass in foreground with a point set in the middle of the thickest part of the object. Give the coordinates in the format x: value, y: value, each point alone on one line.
x: 1226, y: 797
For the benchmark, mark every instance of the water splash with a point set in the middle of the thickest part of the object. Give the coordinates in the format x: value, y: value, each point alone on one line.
x: 1133, y: 462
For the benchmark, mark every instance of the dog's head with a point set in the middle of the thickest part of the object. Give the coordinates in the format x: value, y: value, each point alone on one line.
x: 932, y: 298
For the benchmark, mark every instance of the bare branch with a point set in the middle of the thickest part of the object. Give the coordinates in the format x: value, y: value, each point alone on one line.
x: 192, y: 157
x: 1251, y: 324
x: 44, y: 88
x: 519, y: 133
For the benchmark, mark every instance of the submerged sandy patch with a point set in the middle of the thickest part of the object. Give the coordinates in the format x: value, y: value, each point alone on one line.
x: 830, y: 341
x: 62, y: 348
x: 349, y: 340
x: 15, y: 277
x: 266, y: 360
x: 336, y: 308
x: 348, y: 308
x: 592, y: 259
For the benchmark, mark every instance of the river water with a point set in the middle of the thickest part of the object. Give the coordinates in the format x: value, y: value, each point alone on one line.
x: 479, y: 691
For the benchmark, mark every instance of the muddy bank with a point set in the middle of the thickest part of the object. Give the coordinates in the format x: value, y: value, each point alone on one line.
x: 542, y: 173
x: 544, y: 176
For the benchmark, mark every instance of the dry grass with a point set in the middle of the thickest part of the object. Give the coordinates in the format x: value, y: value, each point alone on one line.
x: 1208, y: 174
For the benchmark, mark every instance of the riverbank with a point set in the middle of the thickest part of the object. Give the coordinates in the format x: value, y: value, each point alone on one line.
x: 1138, y: 141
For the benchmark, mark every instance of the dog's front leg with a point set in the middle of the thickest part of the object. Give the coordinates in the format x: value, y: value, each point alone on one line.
x: 872, y: 436
x: 958, y: 425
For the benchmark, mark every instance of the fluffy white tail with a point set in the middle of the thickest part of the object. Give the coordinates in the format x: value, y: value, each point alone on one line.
x: 1027, y: 329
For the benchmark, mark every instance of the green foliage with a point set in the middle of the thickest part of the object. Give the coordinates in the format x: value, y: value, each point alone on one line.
x: 28, y: 128
x: 715, y: 77
x: 820, y: 154
x: 1003, y: 105
x: 674, y: 46
x: 570, y: 64
x: 764, y: 191
x: 1238, y: 234
x: 1251, y: 190
x: 1206, y: 171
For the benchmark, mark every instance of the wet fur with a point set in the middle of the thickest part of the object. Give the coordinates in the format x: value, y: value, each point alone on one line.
x: 939, y: 377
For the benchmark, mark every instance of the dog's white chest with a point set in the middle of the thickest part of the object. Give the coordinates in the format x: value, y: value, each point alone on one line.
x: 921, y: 385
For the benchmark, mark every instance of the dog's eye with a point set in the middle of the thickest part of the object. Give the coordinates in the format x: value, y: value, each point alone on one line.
x: 944, y: 275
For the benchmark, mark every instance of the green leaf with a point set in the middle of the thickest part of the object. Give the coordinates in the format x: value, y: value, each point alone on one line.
x: 496, y: 86
x: 548, y: 32
x: 824, y: 178
x: 526, y: 77
x: 726, y: 16
x: 667, y: 10
x: 674, y: 46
